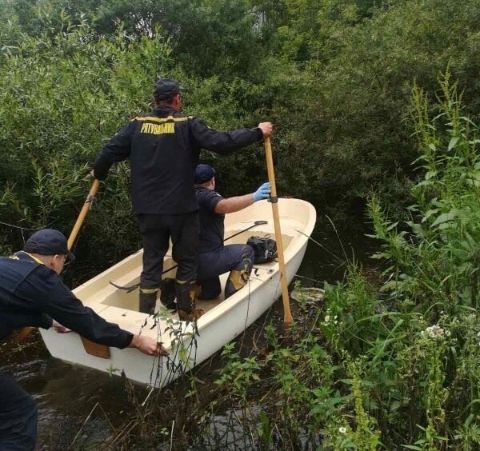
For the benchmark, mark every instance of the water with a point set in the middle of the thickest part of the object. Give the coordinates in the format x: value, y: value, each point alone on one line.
x: 66, y: 394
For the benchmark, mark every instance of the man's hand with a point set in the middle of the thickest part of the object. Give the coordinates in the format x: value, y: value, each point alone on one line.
x: 266, y: 128
x: 263, y: 192
x: 148, y: 345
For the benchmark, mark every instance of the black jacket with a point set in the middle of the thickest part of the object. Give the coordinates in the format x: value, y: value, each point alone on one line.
x: 32, y: 294
x: 212, y: 228
x: 163, y: 148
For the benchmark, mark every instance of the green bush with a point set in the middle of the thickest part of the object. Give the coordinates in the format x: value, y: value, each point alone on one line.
x: 60, y: 97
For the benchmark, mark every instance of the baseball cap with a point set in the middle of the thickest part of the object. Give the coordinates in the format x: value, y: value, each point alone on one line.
x: 203, y: 173
x: 166, y: 88
x: 48, y: 242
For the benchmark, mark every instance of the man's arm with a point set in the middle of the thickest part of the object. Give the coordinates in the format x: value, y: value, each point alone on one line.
x: 55, y: 299
x: 225, y: 142
x: 237, y: 203
x: 70, y: 312
x: 144, y: 344
x: 117, y: 149
x: 232, y: 204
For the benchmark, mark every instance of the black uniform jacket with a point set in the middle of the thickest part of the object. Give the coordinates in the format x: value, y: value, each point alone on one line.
x: 32, y: 294
x: 212, y: 226
x: 163, y: 148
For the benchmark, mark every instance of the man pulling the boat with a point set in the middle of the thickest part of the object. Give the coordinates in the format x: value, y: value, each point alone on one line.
x: 163, y: 147
x: 214, y: 257
x: 33, y: 294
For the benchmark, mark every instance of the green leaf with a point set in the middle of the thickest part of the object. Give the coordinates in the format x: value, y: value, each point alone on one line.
x: 453, y: 142
x: 445, y: 217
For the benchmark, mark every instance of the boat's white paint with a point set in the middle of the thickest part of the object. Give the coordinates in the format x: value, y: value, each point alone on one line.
x: 219, y: 325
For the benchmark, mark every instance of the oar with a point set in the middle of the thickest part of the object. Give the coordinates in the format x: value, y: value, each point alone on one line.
x: 287, y: 315
x: 91, y: 347
x: 83, y: 213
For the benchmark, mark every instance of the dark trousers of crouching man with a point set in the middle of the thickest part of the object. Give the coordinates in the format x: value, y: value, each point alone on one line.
x: 236, y: 258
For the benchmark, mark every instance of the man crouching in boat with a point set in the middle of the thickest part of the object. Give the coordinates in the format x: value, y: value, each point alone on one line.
x: 215, y: 258
x: 33, y: 294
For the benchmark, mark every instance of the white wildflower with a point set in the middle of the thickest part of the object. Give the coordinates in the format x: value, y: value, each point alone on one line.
x: 342, y: 430
x: 327, y: 318
x: 435, y: 332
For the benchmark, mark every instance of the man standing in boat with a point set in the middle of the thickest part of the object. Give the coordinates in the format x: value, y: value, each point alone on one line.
x: 215, y: 258
x: 33, y: 294
x: 163, y: 148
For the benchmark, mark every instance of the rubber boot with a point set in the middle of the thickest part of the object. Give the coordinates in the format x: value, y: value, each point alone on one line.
x: 167, y: 295
x: 238, y: 278
x: 147, y: 300
x: 186, y: 309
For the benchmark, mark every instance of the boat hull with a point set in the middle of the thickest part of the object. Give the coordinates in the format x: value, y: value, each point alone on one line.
x: 188, y: 344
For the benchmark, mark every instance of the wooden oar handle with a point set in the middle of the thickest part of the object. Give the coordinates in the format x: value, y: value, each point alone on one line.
x: 287, y: 315
x: 83, y: 213
x: 270, y: 169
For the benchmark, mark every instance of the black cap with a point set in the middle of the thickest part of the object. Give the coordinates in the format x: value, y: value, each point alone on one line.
x: 48, y: 242
x: 165, y: 89
x: 203, y: 173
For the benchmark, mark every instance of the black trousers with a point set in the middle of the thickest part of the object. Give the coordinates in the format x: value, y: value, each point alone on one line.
x: 212, y: 264
x: 156, y: 231
x: 18, y: 417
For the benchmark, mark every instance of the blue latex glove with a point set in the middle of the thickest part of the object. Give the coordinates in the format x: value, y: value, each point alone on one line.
x: 263, y: 192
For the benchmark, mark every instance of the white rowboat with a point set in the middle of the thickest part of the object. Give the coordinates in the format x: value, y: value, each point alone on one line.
x: 187, y: 343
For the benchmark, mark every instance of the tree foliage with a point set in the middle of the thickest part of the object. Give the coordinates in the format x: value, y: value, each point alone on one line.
x: 60, y: 97
x: 334, y: 76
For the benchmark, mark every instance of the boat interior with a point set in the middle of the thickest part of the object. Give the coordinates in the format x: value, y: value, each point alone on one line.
x: 119, y: 287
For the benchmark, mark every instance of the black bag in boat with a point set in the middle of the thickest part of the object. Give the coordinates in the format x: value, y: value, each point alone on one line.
x: 265, y: 248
